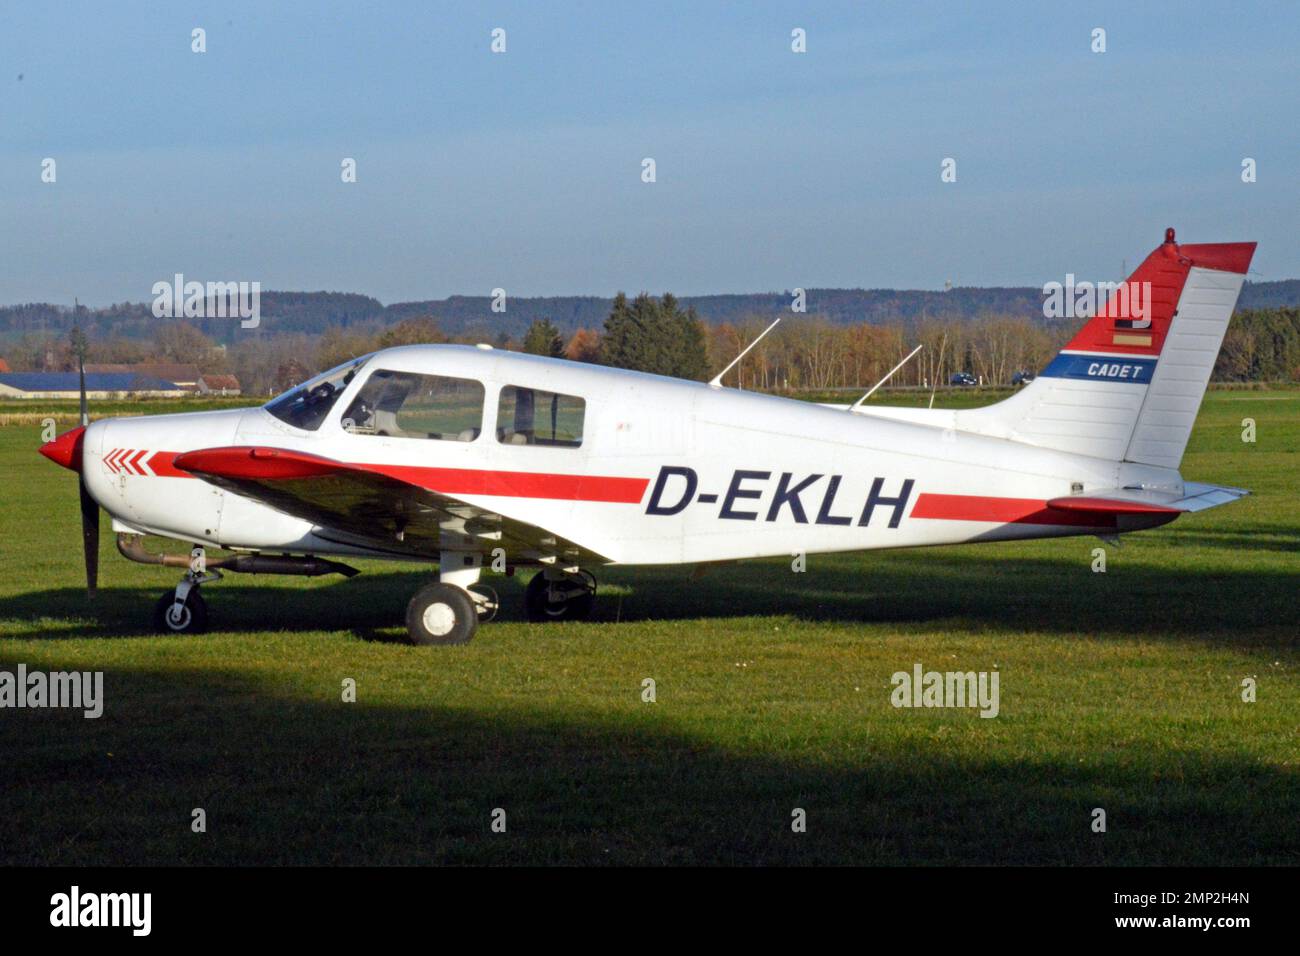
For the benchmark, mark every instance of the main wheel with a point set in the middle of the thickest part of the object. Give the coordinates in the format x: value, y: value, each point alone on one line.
x: 441, y: 614
x: 190, y: 618
x: 566, y: 600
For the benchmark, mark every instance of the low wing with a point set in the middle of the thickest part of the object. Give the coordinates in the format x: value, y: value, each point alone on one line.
x: 358, y: 504
x: 1138, y: 501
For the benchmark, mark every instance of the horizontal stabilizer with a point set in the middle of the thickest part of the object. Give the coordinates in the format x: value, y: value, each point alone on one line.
x: 1109, y: 506
x: 1138, y: 501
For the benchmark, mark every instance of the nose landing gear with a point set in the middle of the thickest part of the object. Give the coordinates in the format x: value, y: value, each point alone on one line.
x: 183, y: 610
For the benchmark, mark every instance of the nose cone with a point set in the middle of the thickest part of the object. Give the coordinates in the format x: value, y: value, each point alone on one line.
x: 66, y: 449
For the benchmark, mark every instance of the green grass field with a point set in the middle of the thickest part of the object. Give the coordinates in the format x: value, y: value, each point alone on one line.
x: 1119, y: 690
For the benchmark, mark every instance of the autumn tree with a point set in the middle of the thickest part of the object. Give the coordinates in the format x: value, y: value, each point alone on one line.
x: 257, y: 361
x: 417, y: 330
x: 289, y: 374
x: 584, y: 346
x: 337, y: 345
x: 181, y: 342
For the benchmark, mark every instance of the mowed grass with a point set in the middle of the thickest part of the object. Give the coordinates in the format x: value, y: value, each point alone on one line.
x: 1119, y: 690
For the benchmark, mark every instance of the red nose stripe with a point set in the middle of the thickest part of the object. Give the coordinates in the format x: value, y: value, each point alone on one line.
x: 66, y: 449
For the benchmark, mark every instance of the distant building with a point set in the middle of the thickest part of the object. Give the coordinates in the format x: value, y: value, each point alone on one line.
x: 98, y: 385
x: 183, y: 376
x: 218, y: 385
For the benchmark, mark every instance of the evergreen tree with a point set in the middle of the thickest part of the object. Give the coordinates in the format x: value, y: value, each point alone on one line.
x: 616, y: 345
x: 655, y: 335
x: 692, y: 353
x: 543, y: 338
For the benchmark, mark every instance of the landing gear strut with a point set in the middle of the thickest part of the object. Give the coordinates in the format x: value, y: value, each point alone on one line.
x: 560, y: 595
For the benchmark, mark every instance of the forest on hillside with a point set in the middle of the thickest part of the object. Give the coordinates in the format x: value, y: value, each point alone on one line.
x: 475, y: 316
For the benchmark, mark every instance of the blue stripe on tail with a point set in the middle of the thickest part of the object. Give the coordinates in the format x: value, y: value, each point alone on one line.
x: 1102, y: 368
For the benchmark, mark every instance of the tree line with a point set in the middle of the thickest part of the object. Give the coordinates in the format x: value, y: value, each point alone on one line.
x: 658, y: 334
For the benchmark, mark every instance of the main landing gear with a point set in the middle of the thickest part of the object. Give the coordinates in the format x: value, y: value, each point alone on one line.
x: 450, y: 611
x: 560, y: 595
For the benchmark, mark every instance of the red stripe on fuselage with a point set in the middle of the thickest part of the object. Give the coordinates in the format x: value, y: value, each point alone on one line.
x: 1003, y: 511
x: 519, y: 484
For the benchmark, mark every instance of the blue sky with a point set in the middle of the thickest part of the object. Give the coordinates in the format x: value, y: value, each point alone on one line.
x: 522, y: 170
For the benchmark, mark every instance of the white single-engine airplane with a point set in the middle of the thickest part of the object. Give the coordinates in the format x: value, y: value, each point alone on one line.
x: 469, y: 456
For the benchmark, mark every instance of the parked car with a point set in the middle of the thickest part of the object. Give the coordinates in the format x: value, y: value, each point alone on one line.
x: 1023, y: 378
x: 963, y: 379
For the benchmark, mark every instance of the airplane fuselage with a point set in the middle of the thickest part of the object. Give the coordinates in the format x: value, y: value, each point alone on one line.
x: 666, y: 471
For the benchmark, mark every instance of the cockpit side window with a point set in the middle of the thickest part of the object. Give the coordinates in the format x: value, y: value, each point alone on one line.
x: 305, y: 406
x: 410, y: 405
x: 530, y: 416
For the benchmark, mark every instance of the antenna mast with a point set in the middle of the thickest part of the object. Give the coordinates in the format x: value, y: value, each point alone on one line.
x: 888, y: 376
x: 716, y: 381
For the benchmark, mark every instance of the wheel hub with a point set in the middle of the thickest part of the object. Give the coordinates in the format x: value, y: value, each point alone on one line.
x: 439, y: 619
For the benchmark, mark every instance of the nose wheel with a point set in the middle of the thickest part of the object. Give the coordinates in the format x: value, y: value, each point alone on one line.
x: 181, y: 615
x: 182, y: 610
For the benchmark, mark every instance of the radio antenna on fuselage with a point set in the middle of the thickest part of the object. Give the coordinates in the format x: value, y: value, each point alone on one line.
x: 716, y: 381
x: 934, y: 386
x: 888, y: 376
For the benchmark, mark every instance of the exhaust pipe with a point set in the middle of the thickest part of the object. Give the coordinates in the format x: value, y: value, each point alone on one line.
x: 131, y: 546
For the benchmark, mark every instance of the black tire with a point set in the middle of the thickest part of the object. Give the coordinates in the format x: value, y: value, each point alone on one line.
x: 541, y: 608
x: 192, y: 618
x: 441, y: 614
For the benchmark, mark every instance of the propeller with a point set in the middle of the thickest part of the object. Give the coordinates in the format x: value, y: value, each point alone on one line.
x: 67, y: 450
x: 89, y: 507
x: 89, y: 537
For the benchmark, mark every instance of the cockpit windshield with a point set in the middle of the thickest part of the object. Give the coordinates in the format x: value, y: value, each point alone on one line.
x: 305, y: 406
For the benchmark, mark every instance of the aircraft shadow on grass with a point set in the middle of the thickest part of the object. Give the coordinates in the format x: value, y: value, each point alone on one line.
x: 1019, y: 594
x: 309, y: 780
x: 1272, y: 539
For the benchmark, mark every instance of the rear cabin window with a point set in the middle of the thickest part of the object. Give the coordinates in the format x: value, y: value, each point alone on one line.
x: 409, y: 405
x: 530, y: 416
